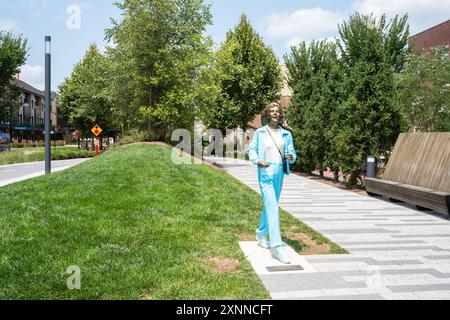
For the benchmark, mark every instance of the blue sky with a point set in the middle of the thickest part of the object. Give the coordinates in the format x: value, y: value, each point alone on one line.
x: 74, y: 24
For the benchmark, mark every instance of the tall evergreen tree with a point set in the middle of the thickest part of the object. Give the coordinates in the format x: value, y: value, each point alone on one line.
x: 316, y: 78
x: 370, y: 119
x: 248, y: 76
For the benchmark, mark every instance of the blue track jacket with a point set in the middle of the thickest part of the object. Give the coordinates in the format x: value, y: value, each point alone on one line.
x: 258, y: 144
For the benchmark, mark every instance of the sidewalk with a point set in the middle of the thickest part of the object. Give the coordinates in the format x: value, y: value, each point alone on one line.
x: 12, y: 173
x: 396, y: 251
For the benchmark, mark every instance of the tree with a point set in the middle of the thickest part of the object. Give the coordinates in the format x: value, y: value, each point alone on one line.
x: 369, y: 120
x: 83, y: 97
x: 425, y: 91
x: 158, y: 56
x: 13, y: 54
x: 316, y: 78
x: 248, y: 77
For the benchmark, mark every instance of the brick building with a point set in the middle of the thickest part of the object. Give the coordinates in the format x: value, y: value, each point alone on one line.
x: 438, y: 35
x: 27, y: 122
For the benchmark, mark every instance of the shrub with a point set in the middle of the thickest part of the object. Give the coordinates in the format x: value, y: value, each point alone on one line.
x: 136, y: 135
x: 37, y: 144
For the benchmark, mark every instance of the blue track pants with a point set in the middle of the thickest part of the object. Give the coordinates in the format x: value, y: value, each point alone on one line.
x: 270, y: 183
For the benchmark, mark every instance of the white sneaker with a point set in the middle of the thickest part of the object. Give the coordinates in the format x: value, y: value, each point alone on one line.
x: 280, y: 254
x: 262, y: 242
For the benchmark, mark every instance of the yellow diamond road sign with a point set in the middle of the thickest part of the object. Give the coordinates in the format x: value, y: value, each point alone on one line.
x: 96, y: 130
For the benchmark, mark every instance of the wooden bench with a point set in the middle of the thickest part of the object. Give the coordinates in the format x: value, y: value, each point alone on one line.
x: 418, y: 172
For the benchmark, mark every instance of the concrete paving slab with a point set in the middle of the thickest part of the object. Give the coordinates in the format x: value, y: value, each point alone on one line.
x: 261, y: 259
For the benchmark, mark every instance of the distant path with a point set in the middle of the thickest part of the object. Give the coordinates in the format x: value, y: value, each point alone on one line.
x: 12, y: 173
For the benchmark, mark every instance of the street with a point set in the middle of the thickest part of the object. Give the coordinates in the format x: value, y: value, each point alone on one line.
x: 22, y: 171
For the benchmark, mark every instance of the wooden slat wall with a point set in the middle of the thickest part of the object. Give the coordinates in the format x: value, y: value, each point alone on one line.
x: 421, y: 159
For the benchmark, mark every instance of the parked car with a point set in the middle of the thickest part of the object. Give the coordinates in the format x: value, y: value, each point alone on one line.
x: 4, y: 142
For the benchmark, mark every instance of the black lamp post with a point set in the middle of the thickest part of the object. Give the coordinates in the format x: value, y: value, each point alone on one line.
x: 47, y: 104
x: 10, y: 120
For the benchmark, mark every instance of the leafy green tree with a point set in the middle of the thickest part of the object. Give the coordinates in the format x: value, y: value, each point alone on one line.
x: 315, y: 76
x: 369, y: 120
x: 84, y: 97
x: 158, y: 60
x: 425, y: 91
x: 13, y: 54
x: 248, y: 76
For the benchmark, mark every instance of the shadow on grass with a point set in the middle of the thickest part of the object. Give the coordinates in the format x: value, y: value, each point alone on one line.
x: 294, y: 244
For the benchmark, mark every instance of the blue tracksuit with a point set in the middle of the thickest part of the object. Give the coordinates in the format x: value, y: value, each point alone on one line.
x: 270, y: 182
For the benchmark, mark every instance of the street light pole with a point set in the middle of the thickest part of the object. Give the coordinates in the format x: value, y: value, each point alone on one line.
x: 47, y: 104
x: 10, y: 119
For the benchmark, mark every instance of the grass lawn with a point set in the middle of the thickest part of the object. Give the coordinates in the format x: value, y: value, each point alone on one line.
x: 21, y: 155
x: 138, y: 227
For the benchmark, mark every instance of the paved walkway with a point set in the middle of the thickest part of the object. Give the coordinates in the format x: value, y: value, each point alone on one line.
x: 23, y: 171
x: 396, y: 251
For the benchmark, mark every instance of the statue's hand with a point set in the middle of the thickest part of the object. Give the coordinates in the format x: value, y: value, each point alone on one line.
x: 263, y: 164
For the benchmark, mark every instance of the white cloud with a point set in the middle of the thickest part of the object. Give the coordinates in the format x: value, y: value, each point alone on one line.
x: 317, y: 23
x: 295, y: 41
x: 422, y: 14
x: 398, y: 6
x: 33, y: 75
x: 8, y: 25
x: 304, y: 25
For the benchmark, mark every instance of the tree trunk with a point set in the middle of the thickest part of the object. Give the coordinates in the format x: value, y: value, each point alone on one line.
x: 352, y: 181
x: 336, y: 175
